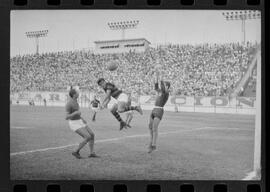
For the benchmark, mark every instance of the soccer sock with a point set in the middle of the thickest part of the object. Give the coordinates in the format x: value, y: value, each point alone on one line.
x: 129, y: 108
x: 81, y: 145
x: 117, y: 116
x: 151, y: 137
x: 155, y: 135
x: 91, y: 145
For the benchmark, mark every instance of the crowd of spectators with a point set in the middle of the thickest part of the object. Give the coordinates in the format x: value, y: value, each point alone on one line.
x: 201, y: 70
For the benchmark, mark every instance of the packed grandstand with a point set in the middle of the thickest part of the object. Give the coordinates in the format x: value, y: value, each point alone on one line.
x: 200, y: 70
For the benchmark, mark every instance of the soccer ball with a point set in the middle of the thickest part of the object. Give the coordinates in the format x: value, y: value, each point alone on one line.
x: 112, y: 66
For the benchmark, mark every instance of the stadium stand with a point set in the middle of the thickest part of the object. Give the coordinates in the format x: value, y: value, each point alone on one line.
x: 200, y: 70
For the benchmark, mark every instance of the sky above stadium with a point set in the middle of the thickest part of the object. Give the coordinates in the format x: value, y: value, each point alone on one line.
x: 71, y: 29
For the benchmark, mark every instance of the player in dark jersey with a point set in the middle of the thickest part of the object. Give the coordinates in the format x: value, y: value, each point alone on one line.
x: 95, y: 106
x: 162, y: 90
x: 79, y: 125
x: 122, y: 101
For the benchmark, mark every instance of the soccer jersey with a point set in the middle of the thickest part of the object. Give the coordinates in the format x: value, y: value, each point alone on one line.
x: 163, y: 96
x: 115, y: 92
x: 71, y: 107
x: 95, y: 103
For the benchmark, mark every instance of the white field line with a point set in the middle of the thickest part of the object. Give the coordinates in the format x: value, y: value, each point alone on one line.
x: 20, y: 127
x: 106, y: 140
x: 231, y: 129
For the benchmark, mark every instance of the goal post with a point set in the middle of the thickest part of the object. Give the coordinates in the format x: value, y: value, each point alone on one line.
x: 257, y: 138
x: 255, y: 174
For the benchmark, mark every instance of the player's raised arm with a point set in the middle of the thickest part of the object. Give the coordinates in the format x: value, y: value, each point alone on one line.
x: 157, y: 78
x: 162, y: 86
x: 156, y: 85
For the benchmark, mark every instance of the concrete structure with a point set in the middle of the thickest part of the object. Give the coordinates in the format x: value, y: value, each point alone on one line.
x: 121, y: 46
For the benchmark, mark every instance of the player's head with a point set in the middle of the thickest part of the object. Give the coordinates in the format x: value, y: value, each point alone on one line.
x: 73, y: 93
x: 101, y: 82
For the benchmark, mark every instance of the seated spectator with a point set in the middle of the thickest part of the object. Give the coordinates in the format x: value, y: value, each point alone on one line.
x: 193, y: 70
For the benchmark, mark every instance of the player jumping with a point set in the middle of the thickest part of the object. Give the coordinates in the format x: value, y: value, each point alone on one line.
x: 95, y: 106
x: 122, y: 101
x: 162, y: 89
x: 79, y: 125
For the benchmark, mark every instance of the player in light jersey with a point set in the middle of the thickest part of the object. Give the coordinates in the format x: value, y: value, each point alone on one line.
x: 122, y: 101
x: 95, y: 106
x: 162, y: 90
x: 79, y: 125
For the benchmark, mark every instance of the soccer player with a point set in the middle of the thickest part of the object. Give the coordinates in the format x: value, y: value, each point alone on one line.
x: 95, y: 106
x: 130, y: 113
x: 122, y: 101
x: 162, y: 90
x: 79, y: 125
x: 45, y: 102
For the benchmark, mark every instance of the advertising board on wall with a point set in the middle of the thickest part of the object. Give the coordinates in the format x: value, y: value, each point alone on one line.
x: 245, y: 105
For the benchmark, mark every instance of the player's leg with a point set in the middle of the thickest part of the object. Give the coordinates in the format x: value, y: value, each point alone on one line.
x: 130, y: 117
x: 156, y: 122
x: 95, y: 110
x: 150, y: 126
x: 86, y: 138
x: 117, y: 116
x: 123, y: 105
x: 94, y: 116
x: 157, y: 116
x: 127, y: 117
x: 91, y: 142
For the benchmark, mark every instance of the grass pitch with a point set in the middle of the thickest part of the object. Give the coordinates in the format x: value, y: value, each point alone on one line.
x: 191, y: 146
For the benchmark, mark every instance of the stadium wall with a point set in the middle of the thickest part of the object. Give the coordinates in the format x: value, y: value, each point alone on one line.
x: 241, y: 105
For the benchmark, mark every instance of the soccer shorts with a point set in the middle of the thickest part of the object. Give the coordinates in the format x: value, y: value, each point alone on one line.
x: 95, y: 109
x: 76, y: 124
x: 122, y: 98
x: 157, y: 112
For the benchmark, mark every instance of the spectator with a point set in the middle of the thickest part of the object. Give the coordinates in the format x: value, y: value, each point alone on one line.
x: 200, y: 70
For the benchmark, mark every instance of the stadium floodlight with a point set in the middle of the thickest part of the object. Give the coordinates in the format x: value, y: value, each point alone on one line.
x: 37, y: 35
x: 243, y: 16
x: 123, y: 25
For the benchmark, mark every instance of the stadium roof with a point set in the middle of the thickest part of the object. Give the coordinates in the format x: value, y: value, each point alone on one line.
x: 121, y: 40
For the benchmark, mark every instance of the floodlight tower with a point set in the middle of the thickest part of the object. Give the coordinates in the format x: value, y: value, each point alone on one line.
x: 243, y: 16
x: 37, y: 35
x: 123, y: 25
